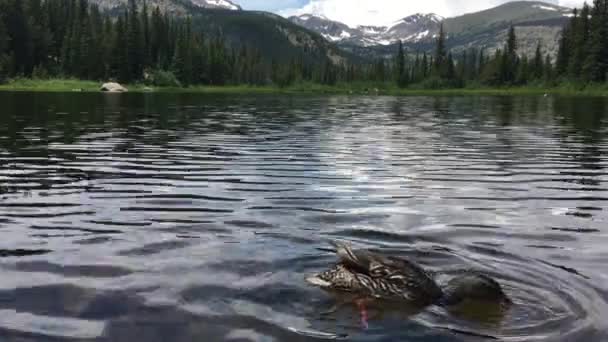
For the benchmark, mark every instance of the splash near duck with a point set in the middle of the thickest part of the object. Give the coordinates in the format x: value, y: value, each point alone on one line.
x: 372, y: 275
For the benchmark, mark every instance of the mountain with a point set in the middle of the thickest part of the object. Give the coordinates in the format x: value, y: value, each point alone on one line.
x: 534, y: 22
x: 275, y: 37
x: 174, y: 6
x: 518, y: 12
x: 332, y: 30
x: 414, y: 28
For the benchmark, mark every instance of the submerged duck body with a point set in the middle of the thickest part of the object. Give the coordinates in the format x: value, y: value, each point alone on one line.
x: 393, y: 278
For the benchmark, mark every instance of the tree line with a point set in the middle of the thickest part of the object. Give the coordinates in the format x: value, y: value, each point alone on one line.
x: 583, y: 49
x: 582, y: 59
x: 74, y: 38
x: 444, y: 69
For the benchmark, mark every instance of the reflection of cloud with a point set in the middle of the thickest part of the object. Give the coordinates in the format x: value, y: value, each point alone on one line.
x: 382, y: 12
x: 51, y: 326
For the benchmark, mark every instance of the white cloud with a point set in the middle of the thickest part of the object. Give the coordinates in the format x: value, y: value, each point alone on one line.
x: 382, y: 12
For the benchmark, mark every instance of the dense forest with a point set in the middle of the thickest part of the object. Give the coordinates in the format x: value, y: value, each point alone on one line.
x: 582, y: 59
x: 73, y: 38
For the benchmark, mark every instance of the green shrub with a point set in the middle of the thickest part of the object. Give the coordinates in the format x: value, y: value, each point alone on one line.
x: 161, y: 78
x: 436, y: 83
x: 40, y: 73
x: 4, y: 67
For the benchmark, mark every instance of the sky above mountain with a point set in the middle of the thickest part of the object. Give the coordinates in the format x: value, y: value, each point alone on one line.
x: 377, y: 12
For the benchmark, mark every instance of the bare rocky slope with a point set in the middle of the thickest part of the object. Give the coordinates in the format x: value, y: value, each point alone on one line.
x: 534, y: 22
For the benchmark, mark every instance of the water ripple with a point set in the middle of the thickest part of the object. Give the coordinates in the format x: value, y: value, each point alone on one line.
x: 179, y: 217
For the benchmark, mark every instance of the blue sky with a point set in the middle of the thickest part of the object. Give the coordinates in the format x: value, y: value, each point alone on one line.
x: 378, y: 12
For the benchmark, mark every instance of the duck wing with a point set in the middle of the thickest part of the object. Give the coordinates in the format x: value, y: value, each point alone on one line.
x: 406, y: 275
x: 359, y: 261
x: 375, y: 265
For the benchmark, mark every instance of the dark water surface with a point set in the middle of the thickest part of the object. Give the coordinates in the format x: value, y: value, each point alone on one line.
x: 196, y: 218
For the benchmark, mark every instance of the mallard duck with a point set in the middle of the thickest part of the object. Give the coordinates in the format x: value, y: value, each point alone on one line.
x: 391, y: 278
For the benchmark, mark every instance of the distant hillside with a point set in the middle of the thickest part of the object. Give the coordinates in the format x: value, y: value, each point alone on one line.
x: 274, y: 36
x: 519, y: 12
x: 174, y: 6
x: 535, y: 22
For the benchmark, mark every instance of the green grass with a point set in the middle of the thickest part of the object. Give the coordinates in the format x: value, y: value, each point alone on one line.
x: 53, y: 85
x: 72, y: 85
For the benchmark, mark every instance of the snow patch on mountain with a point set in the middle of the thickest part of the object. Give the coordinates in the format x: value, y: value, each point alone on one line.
x: 413, y: 28
x: 225, y: 4
x: 546, y: 8
x: 173, y: 6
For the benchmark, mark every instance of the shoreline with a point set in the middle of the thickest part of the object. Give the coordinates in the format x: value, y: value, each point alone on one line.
x: 64, y: 86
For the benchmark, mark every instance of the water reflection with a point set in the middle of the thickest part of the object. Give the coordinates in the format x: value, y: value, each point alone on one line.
x: 188, y: 217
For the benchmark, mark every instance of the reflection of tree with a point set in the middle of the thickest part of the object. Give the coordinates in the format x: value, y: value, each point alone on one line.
x: 581, y: 122
x: 48, y: 129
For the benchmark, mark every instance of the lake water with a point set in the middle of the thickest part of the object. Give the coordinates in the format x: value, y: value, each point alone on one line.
x: 196, y: 218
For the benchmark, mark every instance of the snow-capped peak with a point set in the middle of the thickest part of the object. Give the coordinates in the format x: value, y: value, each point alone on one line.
x: 224, y: 4
x: 436, y: 18
x: 420, y: 17
x: 172, y: 6
x: 414, y: 28
x: 312, y: 16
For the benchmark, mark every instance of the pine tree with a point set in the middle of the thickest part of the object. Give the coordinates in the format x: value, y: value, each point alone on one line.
x: 85, y: 44
x: 20, y: 43
x: 107, y: 43
x: 425, y: 66
x: 120, y: 63
x: 450, y: 72
x: 463, y: 66
x: 538, y: 65
x: 473, y: 63
x: 4, y: 42
x: 563, y: 53
x: 179, y: 59
x: 482, y: 62
x: 439, y: 67
x: 218, y: 68
x: 511, y: 49
x: 523, y: 71
x: 510, y: 58
x: 548, y: 73
x: 97, y: 45
x: 145, y: 27
x: 579, y: 41
x: 40, y: 33
x: 492, y: 70
x: 400, y: 63
x: 134, y: 43
x: 380, y: 70
x: 417, y: 70
x: 595, y: 64
x: 158, y: 36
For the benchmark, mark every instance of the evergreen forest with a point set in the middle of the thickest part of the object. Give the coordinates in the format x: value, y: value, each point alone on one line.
x: 75, y: 39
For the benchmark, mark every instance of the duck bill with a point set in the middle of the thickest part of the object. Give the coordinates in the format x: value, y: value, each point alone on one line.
x: 317, y: 281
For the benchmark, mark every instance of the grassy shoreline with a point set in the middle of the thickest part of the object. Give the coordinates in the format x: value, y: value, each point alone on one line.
x: 71, y: 85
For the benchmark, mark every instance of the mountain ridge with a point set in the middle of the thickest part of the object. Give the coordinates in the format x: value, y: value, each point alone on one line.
x: 173, y: 6
x: 424, y: 26
x: 412, y: 28
x: 535, y: 22
x: 275, y: 37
